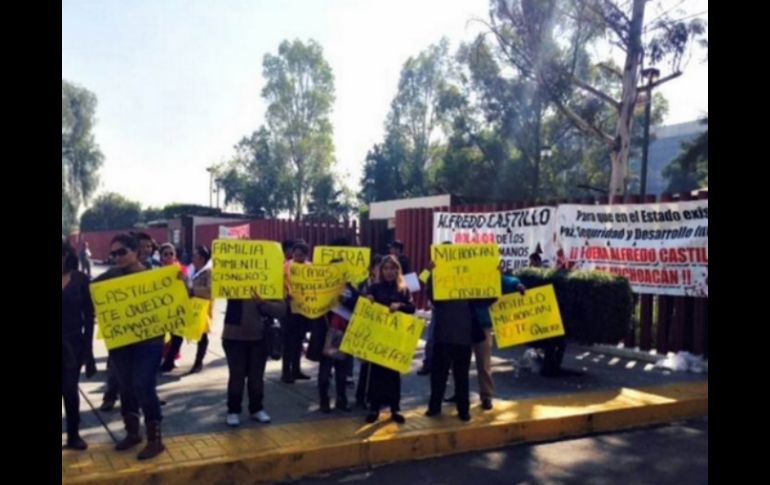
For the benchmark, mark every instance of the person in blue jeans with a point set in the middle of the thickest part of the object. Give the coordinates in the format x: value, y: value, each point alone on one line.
x: 136, y: 365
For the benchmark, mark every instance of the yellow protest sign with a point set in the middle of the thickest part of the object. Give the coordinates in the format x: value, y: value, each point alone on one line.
x: 355, y: 260
x: 198, y: 316
x: 376, y: 335
x: 466, y: 271
x: 424, y: 275
x: 242, y: 268
x: 519, y: 319
x: 315, y: 288
x: 140, y: 306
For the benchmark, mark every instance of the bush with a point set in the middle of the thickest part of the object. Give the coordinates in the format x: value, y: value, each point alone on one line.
x: 596, y: 307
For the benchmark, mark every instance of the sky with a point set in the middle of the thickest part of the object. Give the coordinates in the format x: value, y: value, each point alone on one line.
x: 178, y: 82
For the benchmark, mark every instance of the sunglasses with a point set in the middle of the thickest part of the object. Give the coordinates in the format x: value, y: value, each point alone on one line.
x: 119, y: 252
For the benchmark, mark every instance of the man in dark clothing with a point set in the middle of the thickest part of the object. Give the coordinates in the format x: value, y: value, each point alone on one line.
x: 454, y: 337
x: 396, y: 248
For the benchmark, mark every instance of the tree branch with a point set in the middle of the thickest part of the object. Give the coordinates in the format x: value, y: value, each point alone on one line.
x: 603, y: 96
x: 583, y: 125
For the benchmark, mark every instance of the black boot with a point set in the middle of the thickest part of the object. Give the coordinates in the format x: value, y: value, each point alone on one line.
x: 75, y: 442
x: 154, y: 442
x: 131, y: 421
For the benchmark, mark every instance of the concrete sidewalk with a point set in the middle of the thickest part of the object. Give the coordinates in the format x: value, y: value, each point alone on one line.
x: 597, y: 392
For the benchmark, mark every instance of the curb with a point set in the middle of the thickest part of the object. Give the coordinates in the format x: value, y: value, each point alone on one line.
x: 291, y: 451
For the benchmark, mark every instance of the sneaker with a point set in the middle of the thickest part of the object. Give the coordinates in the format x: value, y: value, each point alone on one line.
x: 464, y: 416
x: 233, y: 420
x: 299, y: 376
x: 261, y: 416
x: 486, y: 404
x: 196, y: 368
x: 398, y: 418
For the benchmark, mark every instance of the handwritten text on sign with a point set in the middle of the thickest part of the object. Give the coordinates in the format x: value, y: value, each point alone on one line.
x: 519, y: 319
x: 198, y: 319
x: 384, y: 338
x: 242, y: 268
x: 140, y: 306
x: 315, y: 288
x: 355, y: 260
x: 466, y: 271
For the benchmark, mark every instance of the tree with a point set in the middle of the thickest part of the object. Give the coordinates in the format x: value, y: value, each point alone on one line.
x: 80, y: 155
x: 257, y: 176
x: 299, y: 90
x: 152, y: 214
x: 382, y: 178
x: 414, y: 115
x: 527, y: 31
x: 690, y: 170
x: 509, y: 111
x: 111, y: 211
x: 174, y: 210
x: 328, y: 203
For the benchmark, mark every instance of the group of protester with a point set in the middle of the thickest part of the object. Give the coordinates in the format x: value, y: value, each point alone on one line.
x: 458, y: 329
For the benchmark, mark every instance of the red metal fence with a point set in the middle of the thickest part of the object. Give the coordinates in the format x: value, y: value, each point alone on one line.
x: 99, y: 241
x: 664, y: 323
x: 314, y: 233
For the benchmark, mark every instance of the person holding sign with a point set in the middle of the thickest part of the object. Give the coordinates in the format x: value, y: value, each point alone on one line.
x: 245, y: 341
x: 77, y: 331
x: 298, y: 325
x: 453, y: 335
x: 385, y: 384
x: 136, y: 364
x: 332, y: 358
x: 171, y: 350
x: 482, y: 351
x: 364, y: 371
x: 199, y: 285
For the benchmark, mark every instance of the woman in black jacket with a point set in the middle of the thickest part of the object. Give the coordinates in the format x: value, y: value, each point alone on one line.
x: 136, y: 365
x: 77, y: 330
x: 385, y: 384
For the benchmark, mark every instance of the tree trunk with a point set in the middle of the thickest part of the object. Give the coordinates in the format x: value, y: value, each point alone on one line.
x: 300, y: 184
x: 619, y: 155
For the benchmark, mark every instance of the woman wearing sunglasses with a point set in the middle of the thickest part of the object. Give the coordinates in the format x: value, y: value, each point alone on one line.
x: 136, y: 364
